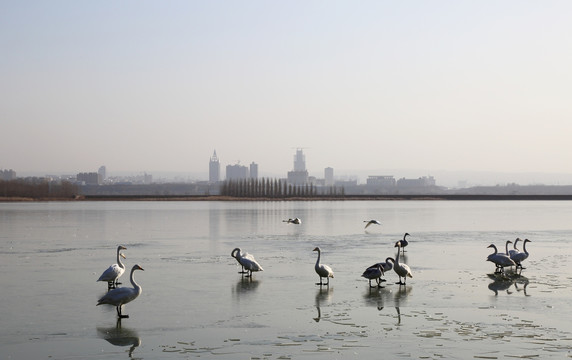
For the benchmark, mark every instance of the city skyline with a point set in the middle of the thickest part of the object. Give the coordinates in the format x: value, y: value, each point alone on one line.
x: 447, y: 89
x: 449, y: 179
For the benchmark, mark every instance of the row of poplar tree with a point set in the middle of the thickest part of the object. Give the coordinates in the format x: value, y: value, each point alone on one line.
x: 275, y: 188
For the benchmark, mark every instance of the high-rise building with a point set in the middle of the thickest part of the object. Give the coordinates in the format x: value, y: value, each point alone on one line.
x: 254, y: 170
x: 299, y: 161
x: 102, y: 174
x: 7, y: 175
x: 214, y: 169
x: 299, y: 176
x: 236, y: 172
x: 91, y: 178
x: 329, y: 176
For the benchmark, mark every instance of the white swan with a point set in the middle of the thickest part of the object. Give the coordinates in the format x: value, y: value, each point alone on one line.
x: 323, y: 270
x: 403, y: 243
x: 401, y: 269
x: 112, y: 274
x: 520, y: 256
x: 499, y: 259
x: 370, y: 222
x: 293, y: 221
x: 121, y: 296
x: 247, y: 261
x: 373, y: 272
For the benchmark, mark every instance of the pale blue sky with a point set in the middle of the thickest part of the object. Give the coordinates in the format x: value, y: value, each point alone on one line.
x: 363, y: 85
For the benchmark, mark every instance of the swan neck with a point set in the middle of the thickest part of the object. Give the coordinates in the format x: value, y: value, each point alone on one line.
x: 132, y: 278
x: 119, y: 259
x: 318, y: 260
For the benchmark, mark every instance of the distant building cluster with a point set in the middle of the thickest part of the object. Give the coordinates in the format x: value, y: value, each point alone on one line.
x: 299, y: 177
x: 233, y: 172
x: 7, y: 175
x: 297, y: 182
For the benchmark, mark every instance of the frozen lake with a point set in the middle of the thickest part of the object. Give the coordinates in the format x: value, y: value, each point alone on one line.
x: 195, y: 303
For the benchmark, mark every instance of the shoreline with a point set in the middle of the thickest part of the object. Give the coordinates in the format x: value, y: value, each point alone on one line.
x: 417, y: 197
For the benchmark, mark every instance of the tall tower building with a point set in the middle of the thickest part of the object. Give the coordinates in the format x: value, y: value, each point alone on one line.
x: 299, y: 161
x: 254, y: 170
x: 329, y: 176
x: 102, y: 174
x: 299, y: 176
x: 214, y: 169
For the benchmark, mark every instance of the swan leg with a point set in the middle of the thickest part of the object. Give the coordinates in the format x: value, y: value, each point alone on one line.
x: 320, y: 283
x: 111, y: 285
x: 119, y: 314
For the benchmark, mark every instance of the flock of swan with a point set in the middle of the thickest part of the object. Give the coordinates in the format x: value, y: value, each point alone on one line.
x: 509, y: 258
x: 374, y: 272
x: 119, y: 296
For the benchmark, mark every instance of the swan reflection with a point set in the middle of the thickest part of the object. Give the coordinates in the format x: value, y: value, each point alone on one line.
x: 246, y: 285
x: 504, y: 282
x: 120, y: 336
x: 323, y: 295
x: 379, y: 298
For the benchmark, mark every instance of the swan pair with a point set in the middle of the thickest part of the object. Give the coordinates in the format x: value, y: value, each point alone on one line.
x: 247, y: 262
x: 119, y: 296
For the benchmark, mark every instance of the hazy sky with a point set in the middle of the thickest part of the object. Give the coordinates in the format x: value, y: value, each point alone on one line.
x: 158, y: 86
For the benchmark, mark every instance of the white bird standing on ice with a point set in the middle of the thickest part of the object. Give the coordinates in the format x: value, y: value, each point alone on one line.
x: 500, y: 260
x: 323, y: 270
x: 401, y: 269
x: 121, y: 296
x: 112, y: 274
x: 370, y: 222
x: 247, y: 261
x: 520, y: 256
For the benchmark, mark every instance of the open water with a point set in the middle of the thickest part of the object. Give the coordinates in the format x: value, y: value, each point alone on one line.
x: 195, y: 304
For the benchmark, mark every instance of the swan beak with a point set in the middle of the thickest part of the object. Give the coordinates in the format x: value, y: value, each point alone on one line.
x: 123, y: 256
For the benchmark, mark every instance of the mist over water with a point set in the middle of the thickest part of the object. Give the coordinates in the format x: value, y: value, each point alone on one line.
x: 195, y: 303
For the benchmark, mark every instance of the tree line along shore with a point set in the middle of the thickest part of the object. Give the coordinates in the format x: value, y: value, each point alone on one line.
x: 21, y: 190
